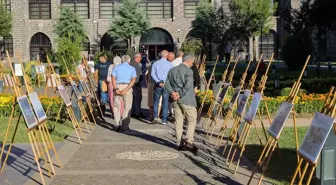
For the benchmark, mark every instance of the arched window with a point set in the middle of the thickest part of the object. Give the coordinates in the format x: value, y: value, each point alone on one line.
x: 40, y: 45
x: 156, y: 40
x: 116, y: 46
x: 7, y: 44
x: 80, y: 7
x: 267, y: 45
x: 39, y: 9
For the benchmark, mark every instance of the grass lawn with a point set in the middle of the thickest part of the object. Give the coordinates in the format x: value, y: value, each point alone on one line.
x: 283, y: 162
x: 61, y: 131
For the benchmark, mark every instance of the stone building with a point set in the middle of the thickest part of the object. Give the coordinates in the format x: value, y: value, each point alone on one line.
x: 33, y: 21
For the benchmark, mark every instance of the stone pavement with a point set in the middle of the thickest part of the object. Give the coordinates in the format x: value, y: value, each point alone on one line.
x: 145, y: 155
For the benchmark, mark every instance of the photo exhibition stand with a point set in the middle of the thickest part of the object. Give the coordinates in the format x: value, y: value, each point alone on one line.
x: 272, y: 141
x: 36, y: 127
x: 328, y: 109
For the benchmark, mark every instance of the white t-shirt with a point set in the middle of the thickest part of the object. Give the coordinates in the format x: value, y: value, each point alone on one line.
x: 177, y: 61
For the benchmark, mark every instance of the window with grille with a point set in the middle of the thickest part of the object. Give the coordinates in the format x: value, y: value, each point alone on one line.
x: 39, y: 9
x: 107, y: 9
x: 7, y: 45
x: 80, y: 7
x: 157, y: 9
x: 267, y: 45
x: 7, y: 4
x: 40, y: 45
x: 190, y: 8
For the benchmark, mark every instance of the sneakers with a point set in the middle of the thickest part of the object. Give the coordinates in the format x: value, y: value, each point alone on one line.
x: 157, y: 121
x: 164, y: 123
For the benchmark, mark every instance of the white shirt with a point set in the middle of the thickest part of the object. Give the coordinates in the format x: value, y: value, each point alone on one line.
x: 177, y: 61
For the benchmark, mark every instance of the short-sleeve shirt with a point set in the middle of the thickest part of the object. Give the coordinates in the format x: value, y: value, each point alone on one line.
x: 102, y: 69
x: 124, y: 73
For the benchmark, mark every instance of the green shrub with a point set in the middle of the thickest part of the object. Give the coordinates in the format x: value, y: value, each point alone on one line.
x: 192, y: 45
x: 296, y: 49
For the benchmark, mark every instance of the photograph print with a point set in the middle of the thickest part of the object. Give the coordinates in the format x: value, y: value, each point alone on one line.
x: 76, y: 90
x: 64, y: 95
x: 27, y: 111
x: 37, y: 106
x: 224, y: 91
x: 316, y: 136
x: 243, y: 102
x: 280, y: 119
x: 217, y: 88
x: 234, y: 97
x: 252, y: 111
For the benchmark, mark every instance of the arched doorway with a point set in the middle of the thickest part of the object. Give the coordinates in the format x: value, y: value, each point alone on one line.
x: 116, y: 46
x: 156, y: 40
x: 40, y: 45
x: 268, y: 44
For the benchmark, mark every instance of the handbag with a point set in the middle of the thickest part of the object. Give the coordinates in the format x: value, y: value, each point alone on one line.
x: 104, y: 86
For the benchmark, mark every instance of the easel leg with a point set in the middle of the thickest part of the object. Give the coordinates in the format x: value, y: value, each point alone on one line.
x: 256, y: 130
x: 296, y: 171
x: 11, y: 143
x: 46, y: 150
x: 240, y: 140
x: 75, y: 124
x: 39, y: 149
x: 44, y: 127
x: 6, y: 136
x: 35, y: 157
x: 242, y: 149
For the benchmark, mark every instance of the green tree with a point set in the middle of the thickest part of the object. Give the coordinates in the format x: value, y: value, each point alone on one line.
x: 5, y: 21
x: 70, y: 25
x: 203, y: 27
x: 71, y: 34
x: 250, y: 18
x: 68, y: 50
x: 192, y: 45
x: 131, y: 22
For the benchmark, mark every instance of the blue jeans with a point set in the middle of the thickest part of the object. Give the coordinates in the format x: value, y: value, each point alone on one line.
x: 158, y: 92
x: 103, y: 95
x: 81, y: 90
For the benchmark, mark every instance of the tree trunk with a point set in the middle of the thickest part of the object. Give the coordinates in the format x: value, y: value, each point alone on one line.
x: 254, y: 49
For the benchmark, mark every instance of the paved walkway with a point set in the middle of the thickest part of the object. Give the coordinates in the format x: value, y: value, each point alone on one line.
x: 145, y: 155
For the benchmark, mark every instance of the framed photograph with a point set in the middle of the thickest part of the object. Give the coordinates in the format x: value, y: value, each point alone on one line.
x: 76, y: 90
x: 234, y: 97
x: 9, y: 80
x: 217, y: 88
x: 27, y: 112
x: 40, y: 69
x: 52, y: 81
x: 1, y: 86
x: 243, y: 102
x: 223, y: 92
x: 18, y: 70
x: 64, y: 95
x: 252, y: 111
x: 280, y: 119
x: 37, y: 106
x: 316, y: 137
x: 85, y: 88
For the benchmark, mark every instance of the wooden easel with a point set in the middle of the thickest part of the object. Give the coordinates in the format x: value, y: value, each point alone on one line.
x: 216, y: 110
x: 39, y: 75
x: 86, y: 92
x: 228, y: 110
x: 214, y: 100
x: 84, y: 115
x: 272, y: 142
x: 241, y: 142
x: 201, y: 70
x: 35, y: 133
x: 328, y: 109
x: 68, y: 107
x: 207, y: 87
x: 92, y: 85
x: 50, y: 75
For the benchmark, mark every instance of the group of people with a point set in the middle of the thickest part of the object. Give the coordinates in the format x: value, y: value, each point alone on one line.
x: 171, y: 83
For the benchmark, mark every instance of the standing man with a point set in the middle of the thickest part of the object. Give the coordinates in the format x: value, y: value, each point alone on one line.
x: 101, y: 72
x: 159, y: 73
x: 137, y: 92
x: 180, y: 86
x: 171, y: 56
x: 227, y: 52
x: 178, y: 60
x: 123, y: 78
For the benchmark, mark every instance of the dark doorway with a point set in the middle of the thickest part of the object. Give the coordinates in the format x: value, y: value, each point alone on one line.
x: 156, y: 40
x: 116, y: 46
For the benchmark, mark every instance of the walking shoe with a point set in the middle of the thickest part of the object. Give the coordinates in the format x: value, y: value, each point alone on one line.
x: 164, y: 123
x: 157, y: 121
x: 191, y: 147
x: 118, y: 129
x: 180, y: 147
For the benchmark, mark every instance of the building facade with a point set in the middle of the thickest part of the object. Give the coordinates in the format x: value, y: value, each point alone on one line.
x: 32, y: 34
